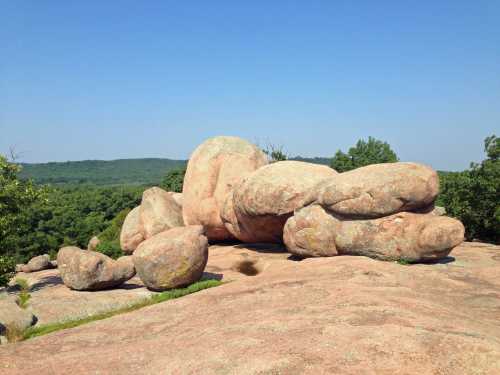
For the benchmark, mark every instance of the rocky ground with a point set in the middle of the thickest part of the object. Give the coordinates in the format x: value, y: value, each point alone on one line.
x: 278, y: 315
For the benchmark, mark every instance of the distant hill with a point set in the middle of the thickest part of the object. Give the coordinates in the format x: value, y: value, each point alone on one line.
x: 111, y: 172
x: 101, y: 172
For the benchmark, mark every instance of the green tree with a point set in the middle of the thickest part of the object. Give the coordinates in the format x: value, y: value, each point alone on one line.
x: 364, y: 153
x: 473, y: 196
x: 16, y: 196
x: 174, y: 180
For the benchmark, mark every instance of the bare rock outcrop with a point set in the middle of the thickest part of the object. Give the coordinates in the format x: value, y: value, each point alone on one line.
x: 378, y: 190
x: 259, y: 206
x: 38, y: 263
x: 132, y: 233
x: 173, y: 258
x: 159, y: 211
x: 214, y: 168
x: 402, y: 236
x: 93, y: 243
x: 90, y: 270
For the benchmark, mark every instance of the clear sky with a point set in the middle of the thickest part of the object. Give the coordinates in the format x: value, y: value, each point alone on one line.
x: 129, y: 79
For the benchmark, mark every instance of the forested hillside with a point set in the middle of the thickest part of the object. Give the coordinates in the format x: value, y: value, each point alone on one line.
x: 112, y: 172
x: 101, y: 172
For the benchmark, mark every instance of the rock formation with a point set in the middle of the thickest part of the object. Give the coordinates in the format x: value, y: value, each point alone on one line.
x: 173, y: 258
x: 12, y: 317
x: 93, y: 243
x: 214, y: 168
x: 132, y: 233
x: 159, y: 211
x: 403, y: 236
x: 259, y: 206
x: 38, y: 263
x: 378, y: 190
x: 89, y: 270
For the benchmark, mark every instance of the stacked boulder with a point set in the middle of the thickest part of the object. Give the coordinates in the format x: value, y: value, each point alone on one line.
x: 259, y: 206
x: 214, y: 169
x: 384, y: 211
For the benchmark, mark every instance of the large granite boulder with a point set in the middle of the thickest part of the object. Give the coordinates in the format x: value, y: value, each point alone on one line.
x: 402, y: 236
x: 214, y: 168
x: 159, y: 211
x: 38, y: 263
x: 173, y: 258
x: 90, y: 270
x: 93, y: 243
x: 14, y: 318
x: 378, y: 190
x: 132, y: 233
x: 259, y: 206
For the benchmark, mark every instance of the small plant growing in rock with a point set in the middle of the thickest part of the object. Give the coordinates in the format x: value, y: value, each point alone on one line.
x: 24, y: 296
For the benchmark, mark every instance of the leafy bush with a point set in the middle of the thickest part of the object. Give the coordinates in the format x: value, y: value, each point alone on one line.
x: 7, y: 268
x: 473, y: 196
x: 110, y: 248
x: 364, y: 153
x: 174, y: 180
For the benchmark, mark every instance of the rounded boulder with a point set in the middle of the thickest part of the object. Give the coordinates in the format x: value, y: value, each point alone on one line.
x: 174, y: 258
x: 214, y: 168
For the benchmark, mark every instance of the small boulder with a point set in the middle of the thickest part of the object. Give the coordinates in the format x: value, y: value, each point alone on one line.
x: 132, y: 231
x: 93, y: 243
x: 19, y: 267
x: 12, y: 317
x: 38, y: 263
x: 214, y: 168
x: 409, y: 236
x: 159, y: 211
x: 378, y: 190
x: 90, y: 270
x: 174, y: 258
x: 261, y: 204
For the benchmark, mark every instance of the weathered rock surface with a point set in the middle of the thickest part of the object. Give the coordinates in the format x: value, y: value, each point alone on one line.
x: 159, y: 211
x: 340, y: 315
x: 260, y: 205
x: 378, y: 190
x: 214, y: 168
x: 173, y: 258
x: 38, y: 263
x: 93, y: 243
x: 409, y: 236
x: 132, y: 233
x: 89, y: 270
x: 13, y: 317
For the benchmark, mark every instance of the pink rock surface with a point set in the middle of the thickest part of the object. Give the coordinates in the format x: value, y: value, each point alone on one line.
x: 340, y: 315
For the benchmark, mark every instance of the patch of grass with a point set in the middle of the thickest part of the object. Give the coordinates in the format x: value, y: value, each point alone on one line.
x: 157, y: 298
x: 404, y: 262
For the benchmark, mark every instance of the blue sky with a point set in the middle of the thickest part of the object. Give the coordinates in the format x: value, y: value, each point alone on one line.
x: 127, y: 79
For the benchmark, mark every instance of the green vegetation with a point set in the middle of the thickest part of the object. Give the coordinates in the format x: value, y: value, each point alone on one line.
x: 7, y: 267
x: 157, y: 298
x: 24, y: 293
x: 100, y: 172
x: 473, y: 196
x: 364, y: 153
x: 174, y: 180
